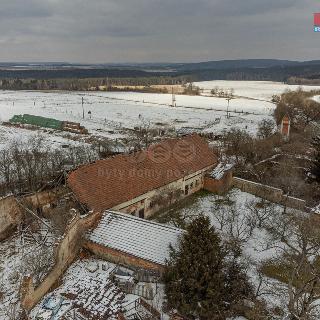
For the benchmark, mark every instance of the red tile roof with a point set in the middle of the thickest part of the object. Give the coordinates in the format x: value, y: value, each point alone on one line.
x: 107, y: 183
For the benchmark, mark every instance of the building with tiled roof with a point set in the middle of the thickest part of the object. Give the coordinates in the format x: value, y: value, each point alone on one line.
x: 146, y: 181
x: 131, y: 241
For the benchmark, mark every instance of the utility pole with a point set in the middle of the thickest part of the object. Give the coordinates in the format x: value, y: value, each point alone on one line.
x: 228, y: 99
x: 82, y: 108
x: 173, y: 98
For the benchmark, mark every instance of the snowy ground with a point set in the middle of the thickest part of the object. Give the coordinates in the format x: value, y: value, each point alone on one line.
x: 19, y: 256
x: 231, y: 216
x: 263, y: 90
x: 87, y: 278
x: 13, y: 135
x: 316, y: 98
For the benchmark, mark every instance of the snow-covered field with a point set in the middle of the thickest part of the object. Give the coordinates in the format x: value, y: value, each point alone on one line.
x: 112, y: 111
x: 263, y: 90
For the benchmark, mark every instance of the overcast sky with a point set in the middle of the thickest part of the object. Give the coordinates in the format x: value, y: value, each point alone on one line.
x: 157, y: 30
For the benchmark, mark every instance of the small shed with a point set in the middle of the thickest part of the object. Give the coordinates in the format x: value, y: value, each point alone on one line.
x: 220, y: 179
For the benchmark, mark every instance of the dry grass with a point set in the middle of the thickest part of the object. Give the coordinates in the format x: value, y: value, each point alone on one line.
x: 282, y: 272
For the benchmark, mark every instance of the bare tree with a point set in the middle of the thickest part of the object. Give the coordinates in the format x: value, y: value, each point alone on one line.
x: 219, y: 211
x: 238, y: 228
x: 142, y: 135
x: 38, y: 264
x: 297, y: 237
x: 30, y: 165
x: 261, y: 212
x: 239, y: 144
x: 266, y: 128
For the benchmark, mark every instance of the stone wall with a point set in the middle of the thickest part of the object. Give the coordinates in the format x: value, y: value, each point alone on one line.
x: 121, y: 257
x: 269, y: 193
x: 65, y: 253
x: 12, y: 213
x: 41, y: 201
x: 10, y: 216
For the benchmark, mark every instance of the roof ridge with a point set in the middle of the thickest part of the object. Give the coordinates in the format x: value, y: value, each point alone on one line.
x: 130, y: 154
x: 130, y: 217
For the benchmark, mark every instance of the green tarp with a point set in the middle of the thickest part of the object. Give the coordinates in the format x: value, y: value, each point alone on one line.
x: 37, y: 121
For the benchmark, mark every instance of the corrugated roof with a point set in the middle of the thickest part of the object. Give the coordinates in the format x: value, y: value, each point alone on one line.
x: 37, y: 121
x: 219, y: 171
x: 138, y: 237
x: 107, y: 183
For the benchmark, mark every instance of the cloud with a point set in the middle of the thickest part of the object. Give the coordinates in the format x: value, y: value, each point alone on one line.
x: 156, y: 30
x: 28, y: 8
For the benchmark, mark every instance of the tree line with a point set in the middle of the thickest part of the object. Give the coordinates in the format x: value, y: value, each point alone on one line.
x: 78, y: 84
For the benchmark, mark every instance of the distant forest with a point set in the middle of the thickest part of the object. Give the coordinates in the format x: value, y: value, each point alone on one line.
x: 85, y: 78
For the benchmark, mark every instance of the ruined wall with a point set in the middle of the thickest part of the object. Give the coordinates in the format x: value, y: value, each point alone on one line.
x: 65, y: 253
x: 218, y: 186
x: 11, y: 212
x: 269, y: 193
x: 42, y: 200
x: 10, y: 216
x: 122, y: 258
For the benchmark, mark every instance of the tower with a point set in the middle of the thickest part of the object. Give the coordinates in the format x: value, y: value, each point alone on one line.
x: 285, y: 127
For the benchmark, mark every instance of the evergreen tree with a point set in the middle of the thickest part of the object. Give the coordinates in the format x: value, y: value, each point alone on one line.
x: 194, y: 276
x: 237, y: 286
x: 315, y: 168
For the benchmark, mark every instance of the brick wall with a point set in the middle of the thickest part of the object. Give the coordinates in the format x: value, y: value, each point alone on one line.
x: 218, y: 186
x: 122, y: 258
x: 10, y: 216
